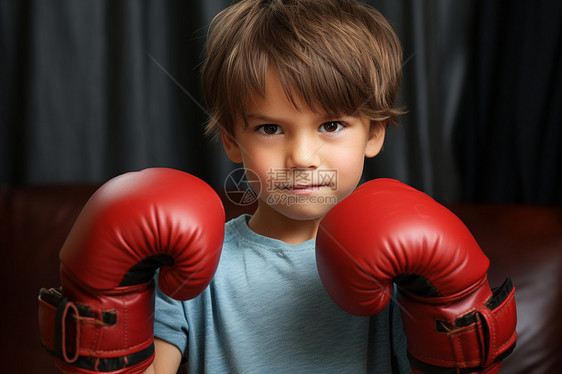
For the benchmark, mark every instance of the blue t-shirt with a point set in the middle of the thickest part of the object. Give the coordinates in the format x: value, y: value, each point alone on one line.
x: 266, y: 311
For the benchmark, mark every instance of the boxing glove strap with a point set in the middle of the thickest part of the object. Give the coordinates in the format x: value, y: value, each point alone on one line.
x: 499, y: 296
x: 477, y: 339
x: 424, y: 367
x: 112, y: 364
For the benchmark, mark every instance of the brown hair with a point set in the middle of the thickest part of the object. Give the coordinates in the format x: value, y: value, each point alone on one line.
x: 340, y: 56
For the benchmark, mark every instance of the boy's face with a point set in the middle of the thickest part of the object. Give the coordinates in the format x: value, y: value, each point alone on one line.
x: 306, y: 161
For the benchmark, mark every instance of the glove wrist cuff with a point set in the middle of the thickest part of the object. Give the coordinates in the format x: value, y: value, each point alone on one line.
x: 98, y: 333
x: 472, y: 333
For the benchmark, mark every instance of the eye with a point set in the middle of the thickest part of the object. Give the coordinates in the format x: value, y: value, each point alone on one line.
x: 332, y: 126
x: 269, y: 129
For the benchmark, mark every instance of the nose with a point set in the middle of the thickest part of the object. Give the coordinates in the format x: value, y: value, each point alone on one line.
x: 303, y: 152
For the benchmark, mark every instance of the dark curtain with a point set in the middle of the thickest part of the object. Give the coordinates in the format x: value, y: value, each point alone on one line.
x: 510, y: 137
x: 92, y: 89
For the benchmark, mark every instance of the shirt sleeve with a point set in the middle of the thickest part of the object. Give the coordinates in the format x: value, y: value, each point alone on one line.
x: 170, y: 323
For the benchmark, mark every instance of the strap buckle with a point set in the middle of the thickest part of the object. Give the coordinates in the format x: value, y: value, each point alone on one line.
x: 59, y: 325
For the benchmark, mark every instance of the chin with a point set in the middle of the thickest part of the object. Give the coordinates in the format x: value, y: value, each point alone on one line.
x: 303, y: 212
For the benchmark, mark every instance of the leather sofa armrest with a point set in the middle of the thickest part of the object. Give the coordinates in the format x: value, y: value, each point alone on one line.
x: 525, y: 244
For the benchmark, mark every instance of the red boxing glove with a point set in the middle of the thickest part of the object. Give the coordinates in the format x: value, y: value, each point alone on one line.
x: 386, y: 232
x: 102, y: 319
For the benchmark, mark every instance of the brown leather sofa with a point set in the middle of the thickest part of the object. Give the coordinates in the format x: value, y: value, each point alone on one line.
x: 522, y: 242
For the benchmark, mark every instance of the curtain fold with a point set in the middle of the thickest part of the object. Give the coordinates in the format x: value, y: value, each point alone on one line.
x: 436, y: 40
x: 510, y: 140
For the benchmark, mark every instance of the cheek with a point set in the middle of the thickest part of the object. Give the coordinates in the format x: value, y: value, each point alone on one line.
x: 259, y: 168
x: 350, y: 168
x: 349, y: 158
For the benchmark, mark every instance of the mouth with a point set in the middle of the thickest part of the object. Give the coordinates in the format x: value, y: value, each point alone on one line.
x: 304, y: 188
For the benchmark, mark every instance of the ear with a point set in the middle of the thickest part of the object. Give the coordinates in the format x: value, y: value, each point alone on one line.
x: 231, y: 147
x: 375, y: 141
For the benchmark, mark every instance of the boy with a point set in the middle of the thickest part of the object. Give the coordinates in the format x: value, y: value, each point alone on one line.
x: 300, y: 92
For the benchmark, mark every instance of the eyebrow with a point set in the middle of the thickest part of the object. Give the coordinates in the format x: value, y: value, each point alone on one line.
x: 262, y: 118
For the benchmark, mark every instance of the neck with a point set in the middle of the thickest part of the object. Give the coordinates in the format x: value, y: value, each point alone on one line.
x: 268, y: 222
